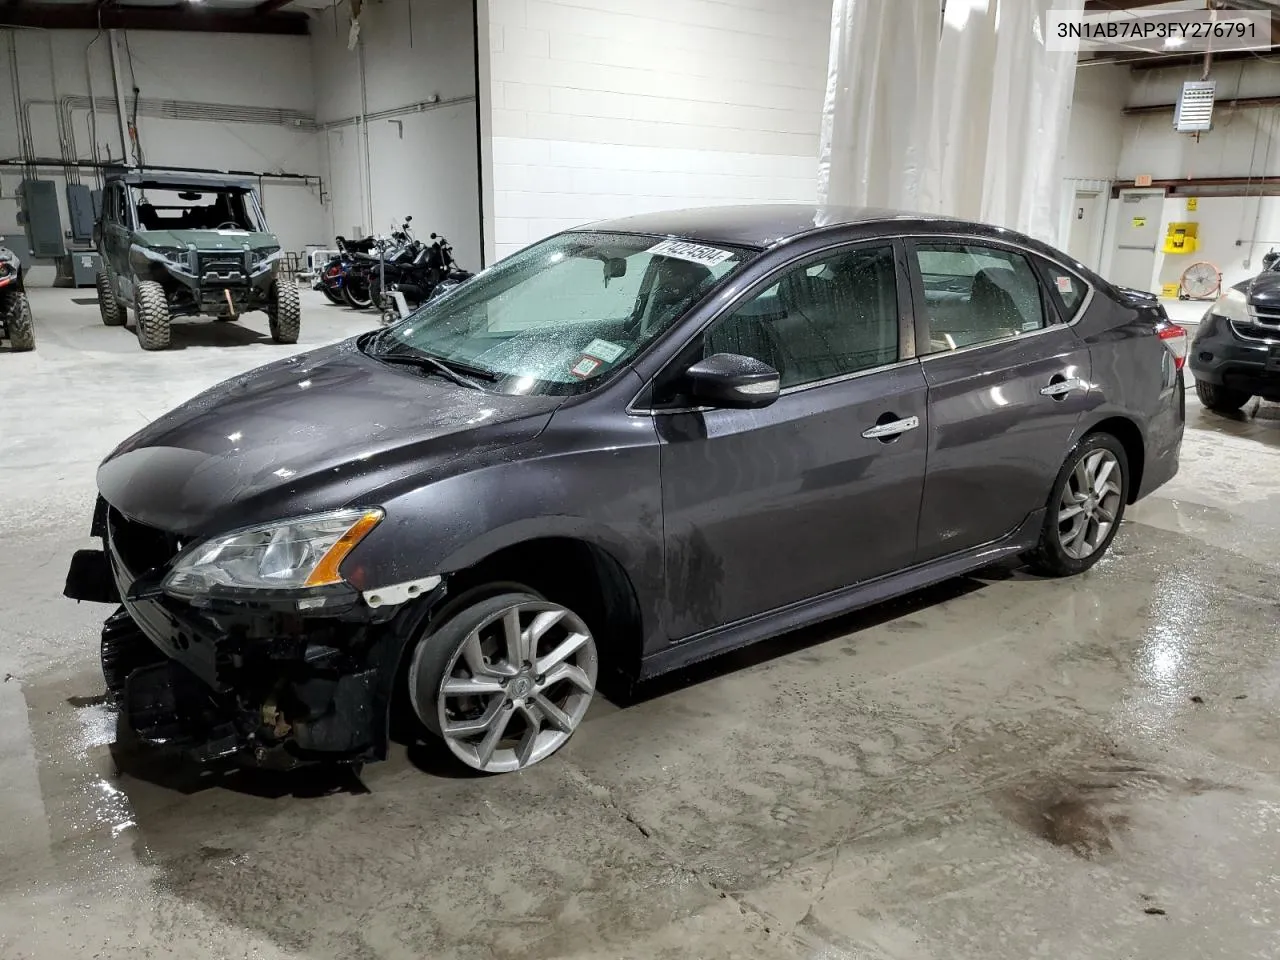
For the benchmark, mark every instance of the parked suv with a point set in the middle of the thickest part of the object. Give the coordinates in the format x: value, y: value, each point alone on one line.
x: 624, y: 449
x: 1235, y: 354
x: 187, y: 245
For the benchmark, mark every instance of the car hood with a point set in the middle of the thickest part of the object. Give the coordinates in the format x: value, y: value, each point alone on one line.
x: 1263, y: 290
x: 207, y: 239
x: 315, y: 432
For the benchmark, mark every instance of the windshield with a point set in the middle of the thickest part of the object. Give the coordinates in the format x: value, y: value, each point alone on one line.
x: 561, y: 315
x: 196, y: 208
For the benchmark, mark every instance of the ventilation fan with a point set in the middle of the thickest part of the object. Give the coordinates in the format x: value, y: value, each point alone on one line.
x: 1200, y: 281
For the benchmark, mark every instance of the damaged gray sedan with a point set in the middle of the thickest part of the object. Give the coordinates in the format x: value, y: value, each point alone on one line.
x: 625, y: 449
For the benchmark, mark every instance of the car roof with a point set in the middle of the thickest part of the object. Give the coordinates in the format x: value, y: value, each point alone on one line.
x: 173, y: 178
x: 764, y: 225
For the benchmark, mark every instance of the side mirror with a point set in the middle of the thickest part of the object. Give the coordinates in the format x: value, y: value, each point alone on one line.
x: 732, y: 381
x: 1269, y: 259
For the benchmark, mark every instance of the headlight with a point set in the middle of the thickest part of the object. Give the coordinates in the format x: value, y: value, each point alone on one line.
x: 1233, y: 305
x: 7, y: 271
x: 257, y: 257
x: 288, y: 555
x: 176, y: 254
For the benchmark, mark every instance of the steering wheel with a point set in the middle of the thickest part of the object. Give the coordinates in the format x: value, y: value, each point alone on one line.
x: 227, y: 225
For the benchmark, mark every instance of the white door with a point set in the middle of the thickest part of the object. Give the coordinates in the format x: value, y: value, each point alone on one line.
x: 1137, y: 233
x: 1084, y: 228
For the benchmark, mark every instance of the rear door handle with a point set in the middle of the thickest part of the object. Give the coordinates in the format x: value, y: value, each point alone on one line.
x: 1062, y: 387
x: 882, y: 431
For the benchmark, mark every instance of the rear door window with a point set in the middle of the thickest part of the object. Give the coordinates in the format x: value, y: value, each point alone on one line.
x: 976, y: 294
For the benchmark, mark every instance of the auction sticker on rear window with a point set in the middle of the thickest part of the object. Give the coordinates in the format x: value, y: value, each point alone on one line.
x: 1064, y: 284
x: 693, y: 252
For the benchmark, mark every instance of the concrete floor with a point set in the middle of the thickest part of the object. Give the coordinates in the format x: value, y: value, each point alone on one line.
x: 1002, y: 767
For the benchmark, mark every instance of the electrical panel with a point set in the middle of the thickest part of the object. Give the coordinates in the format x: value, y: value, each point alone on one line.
x: 80, y: 212
x: 39, y: 215
x: 1195, y: 107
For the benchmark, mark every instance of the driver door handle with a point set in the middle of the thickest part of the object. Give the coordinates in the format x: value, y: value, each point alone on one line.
x: 1059, y: 388
x: 891, y: 429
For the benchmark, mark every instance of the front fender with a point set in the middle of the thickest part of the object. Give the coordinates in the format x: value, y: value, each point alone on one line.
x: 600, y: 486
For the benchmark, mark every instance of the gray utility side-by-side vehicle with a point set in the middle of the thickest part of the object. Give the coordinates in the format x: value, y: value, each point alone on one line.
x: 187, y: 245
x: 15, y: 312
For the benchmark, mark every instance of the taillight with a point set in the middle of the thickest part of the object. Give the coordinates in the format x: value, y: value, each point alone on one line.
x: 1175, y: 338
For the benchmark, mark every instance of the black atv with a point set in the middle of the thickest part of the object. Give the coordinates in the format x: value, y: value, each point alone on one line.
x: 15, y: 310
x: 189, y: 245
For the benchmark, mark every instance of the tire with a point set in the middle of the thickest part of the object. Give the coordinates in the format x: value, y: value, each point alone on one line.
x: 355, y: 298
x: 18, y: 324
x: 108, y: 305
x: 513, y: 715
x: 151, y: 308
x: 1064, y: 540
x: 334, y: 297
x: 284, y: 312
x: 1220, y: 399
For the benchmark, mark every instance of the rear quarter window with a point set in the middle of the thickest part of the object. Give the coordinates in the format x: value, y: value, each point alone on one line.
x: 1068, y: 289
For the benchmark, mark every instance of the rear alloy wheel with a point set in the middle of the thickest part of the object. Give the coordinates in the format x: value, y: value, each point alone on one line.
x: 1220, y: 399
x: 17, y: 322
x: 284, y: 312
x: 1085, y: 508
x: 151, y: 308
x: 108, y: 305
x: 506, y: 681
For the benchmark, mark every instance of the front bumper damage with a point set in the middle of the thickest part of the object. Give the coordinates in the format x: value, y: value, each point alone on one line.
x: 261, y: 683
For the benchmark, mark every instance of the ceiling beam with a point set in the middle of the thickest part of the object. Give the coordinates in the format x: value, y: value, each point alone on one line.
x: 51, y: 16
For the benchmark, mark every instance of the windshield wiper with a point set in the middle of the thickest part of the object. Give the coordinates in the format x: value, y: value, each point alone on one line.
x: 428, y: 362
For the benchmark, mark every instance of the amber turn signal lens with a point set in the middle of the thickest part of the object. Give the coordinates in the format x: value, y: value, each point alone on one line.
x: 326, y: 571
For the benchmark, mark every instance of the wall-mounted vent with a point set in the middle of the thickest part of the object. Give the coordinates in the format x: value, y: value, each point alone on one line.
x: 1195, y: 107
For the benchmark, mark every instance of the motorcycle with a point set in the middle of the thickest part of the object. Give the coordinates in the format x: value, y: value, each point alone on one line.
x: 429, y: 274
x: 333, y: 278
x: 399, y: 248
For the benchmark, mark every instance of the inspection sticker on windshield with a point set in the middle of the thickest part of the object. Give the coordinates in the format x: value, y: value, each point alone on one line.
x: 693, y: 252
x: 585, y: 367
x: 603, y: 350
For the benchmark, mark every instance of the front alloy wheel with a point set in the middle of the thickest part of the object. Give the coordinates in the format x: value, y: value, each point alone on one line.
x: 506, y: 681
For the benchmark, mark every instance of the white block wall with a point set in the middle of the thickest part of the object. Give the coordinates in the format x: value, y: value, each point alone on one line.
x: 601, y: 108
x: 212, y: 68
x: 424, y: 164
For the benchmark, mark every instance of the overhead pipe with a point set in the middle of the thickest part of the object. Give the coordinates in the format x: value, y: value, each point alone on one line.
x: 165, y: 109
x: 420, y: 106
x: 52, y: 163
x: 121, y: 103
x: 364, y: 122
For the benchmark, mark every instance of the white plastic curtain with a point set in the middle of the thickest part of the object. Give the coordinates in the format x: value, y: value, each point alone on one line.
x: 875, y: 122
x: 971, y: 122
